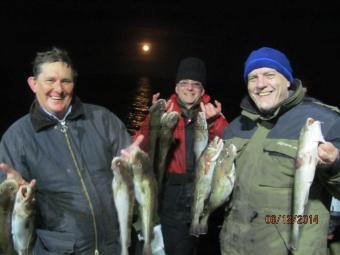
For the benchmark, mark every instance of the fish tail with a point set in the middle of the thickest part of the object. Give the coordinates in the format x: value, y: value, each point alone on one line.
x: 295, y: 237
x: 195, y: 228
x: 204, y: 224
x: 147, y: 249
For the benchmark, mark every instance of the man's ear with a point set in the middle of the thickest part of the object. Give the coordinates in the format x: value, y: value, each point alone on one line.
x: 202, y: 92
x: 31, y: 82
x: 176, y: 89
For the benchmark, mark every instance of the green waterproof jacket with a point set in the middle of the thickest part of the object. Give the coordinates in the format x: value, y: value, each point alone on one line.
x: 259, y: 217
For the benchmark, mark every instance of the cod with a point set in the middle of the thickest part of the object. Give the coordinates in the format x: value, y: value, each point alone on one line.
x: 156, y: 112
x: 201, y: 135
x: 306, y: 161
x: 222, y: 183
x: 203, y: 178
x: 23, y: 219
x: 145, y: 187
x: 123, y: 194
x: 168, y: 123
x: 8, y: 189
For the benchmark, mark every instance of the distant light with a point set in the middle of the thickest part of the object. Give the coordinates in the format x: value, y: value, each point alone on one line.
x: 146, y: 48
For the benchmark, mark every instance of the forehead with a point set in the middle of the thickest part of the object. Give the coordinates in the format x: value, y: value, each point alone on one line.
x: 57, y: 68
x: 262, y: 70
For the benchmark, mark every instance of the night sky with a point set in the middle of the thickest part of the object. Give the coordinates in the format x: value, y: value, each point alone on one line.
x: 103, y: 38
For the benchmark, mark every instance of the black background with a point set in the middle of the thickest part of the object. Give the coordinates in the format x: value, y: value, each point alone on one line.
x: 102, y: 38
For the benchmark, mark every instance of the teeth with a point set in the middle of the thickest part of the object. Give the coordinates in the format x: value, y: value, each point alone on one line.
x: 56, y: 98
x: 264, y: 93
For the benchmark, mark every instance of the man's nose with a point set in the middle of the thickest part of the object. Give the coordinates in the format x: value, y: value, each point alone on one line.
x: 261, y: 83
x: 190, y: 86
x: 57, y: 86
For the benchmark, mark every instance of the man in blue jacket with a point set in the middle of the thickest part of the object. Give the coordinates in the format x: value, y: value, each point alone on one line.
x: 67, y: 147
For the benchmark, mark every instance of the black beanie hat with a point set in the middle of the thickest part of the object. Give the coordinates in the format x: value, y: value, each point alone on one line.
x: 191, y: 69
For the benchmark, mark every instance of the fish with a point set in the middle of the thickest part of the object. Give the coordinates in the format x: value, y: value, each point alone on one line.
x: 222, y: 183
x: 8, y: 190
x: 306, y: 162
x: 145, y: 189
x: 168, y: 123
x: 202, y: 184
x: 201, y: 134
x: 23, y: 219
x: 124, y: 199
x: 156, y: 111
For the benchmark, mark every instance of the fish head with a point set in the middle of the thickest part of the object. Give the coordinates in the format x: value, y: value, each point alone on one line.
x: 140, y: 161
x: 169, y: 119
x: 159, y: 106
x: 314, y: 127
x: 201, y: 120
x: 25, y: 198
x: 120, y: 166
x: 25, y: 193
x: 214, y: 149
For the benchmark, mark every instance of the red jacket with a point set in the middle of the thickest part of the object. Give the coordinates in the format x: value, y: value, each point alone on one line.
x: 178, y: 159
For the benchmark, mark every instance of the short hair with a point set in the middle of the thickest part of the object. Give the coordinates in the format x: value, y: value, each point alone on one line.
x: 51, y: 56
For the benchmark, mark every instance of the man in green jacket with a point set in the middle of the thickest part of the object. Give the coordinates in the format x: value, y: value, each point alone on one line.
x: 259, y: 216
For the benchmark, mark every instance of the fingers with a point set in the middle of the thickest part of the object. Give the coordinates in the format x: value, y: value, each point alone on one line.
x: 125, y: 153
x: 328, y: 153
x: 138, y: 140
x: 155, y: 97
x: 12, y: 174
x: 218, y: 106
x: 6, y: 168
x: 202, y: 107
x: 33, y: 183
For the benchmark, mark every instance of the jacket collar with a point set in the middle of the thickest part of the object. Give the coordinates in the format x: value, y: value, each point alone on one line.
x: 40, y: 119
x: 251, y: 111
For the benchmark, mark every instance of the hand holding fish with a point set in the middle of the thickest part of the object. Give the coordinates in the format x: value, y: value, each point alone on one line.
x: 127, y: 151
x: 169, y: 105
x: 211, y: 111
x: 12, y: 174
x: 328, y: 154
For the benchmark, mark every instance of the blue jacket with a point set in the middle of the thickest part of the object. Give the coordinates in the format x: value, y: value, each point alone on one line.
x: 72, y: 167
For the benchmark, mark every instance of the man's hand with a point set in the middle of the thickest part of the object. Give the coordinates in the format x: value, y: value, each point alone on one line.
x: 169, y: 105
x: 328, y: 154
x: 12, y: 174
x: 134, y: 146
x: 211, y: 111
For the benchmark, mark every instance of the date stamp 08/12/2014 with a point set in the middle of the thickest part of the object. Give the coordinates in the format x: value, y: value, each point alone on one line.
x: 292, y: 219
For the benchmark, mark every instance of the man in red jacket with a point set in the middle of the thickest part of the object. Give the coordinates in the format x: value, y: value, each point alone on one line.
x: 177, y: 194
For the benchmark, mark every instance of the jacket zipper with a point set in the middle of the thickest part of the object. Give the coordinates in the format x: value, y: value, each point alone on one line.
x: 64, y: 129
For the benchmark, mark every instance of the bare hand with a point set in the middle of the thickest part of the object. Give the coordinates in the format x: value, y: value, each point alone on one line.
x: 12, y: 174
x: 211, y: 111
x: 135, y: 145
x: 155, y: 97
x: 169, y: 105
x: 328, y: 154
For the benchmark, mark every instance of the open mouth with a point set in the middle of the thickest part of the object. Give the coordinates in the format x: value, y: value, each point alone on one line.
x: 264, y: 94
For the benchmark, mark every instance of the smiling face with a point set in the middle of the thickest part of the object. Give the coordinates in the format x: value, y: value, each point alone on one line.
x: 53, y: 87
x: 189, y: 92
x: 267, y: 88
